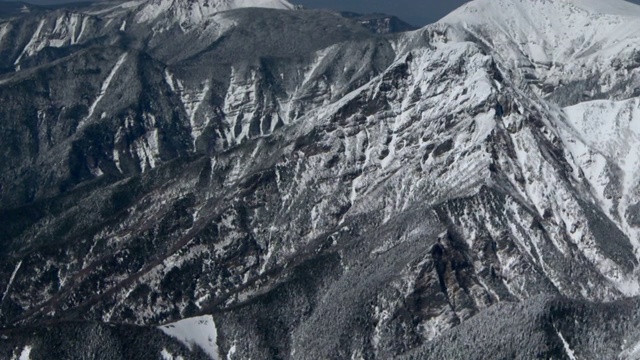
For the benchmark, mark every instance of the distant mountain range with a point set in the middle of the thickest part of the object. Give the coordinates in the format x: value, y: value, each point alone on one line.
x: 380, y: 23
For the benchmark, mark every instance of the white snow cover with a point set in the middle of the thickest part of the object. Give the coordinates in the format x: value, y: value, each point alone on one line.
x: 199, y: 331
x: 552, y: 31
x: 29, y: 49
x: 193, y: 12
x: 597, y: 7
x: 612, y: 129
x: 602, y: 134
x: 4, y: 29
x: 25, y: 354
x: 557, y: 42
x: 63, y: 30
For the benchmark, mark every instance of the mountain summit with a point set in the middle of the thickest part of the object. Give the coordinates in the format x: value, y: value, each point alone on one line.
x: 552, y: 31
x: 195, y: 11
x: 539, y: 8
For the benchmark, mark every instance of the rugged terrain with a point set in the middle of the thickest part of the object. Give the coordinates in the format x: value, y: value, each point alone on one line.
x: 295, y: 185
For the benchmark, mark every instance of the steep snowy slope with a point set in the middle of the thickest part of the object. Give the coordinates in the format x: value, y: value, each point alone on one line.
x: 552, y: 33
x: 603, y: 138
x: 303, y: 188
x: 569, y: 50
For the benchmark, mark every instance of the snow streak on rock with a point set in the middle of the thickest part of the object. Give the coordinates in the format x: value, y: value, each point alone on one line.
x: 30, y: 48
x: 567, y: 347
x: 4, y: 29
x: 104, y: 88
x: 11, y: 279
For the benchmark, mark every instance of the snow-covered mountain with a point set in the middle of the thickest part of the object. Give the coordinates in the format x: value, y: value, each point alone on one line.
x: 572, y: 50
x: 189, y: 12
x: 219, y: 179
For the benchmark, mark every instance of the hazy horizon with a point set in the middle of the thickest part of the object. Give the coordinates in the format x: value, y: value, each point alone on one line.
x: 418, y: 13
x: 415, y: 12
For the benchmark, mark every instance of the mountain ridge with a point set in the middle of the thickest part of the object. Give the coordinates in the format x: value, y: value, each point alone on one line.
x: 319, y: 194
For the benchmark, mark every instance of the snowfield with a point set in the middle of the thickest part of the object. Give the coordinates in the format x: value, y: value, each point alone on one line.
x: 199, y: 331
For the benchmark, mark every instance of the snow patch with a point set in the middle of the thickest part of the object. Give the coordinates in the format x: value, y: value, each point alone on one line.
x: 232, y: 351
x: 168, y: 78
x: 26, y: 353
x: 199, y: 331
x: 83, y: 27
x: 116, y: 159
x: 28, y: 49
x: 103, y: 89
x: 485, y: 123
x: 197, y: 129
x: 4, y: 29
x: 148, y: 150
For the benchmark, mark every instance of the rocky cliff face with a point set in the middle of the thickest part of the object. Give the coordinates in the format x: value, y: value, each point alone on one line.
x: 296, y: 186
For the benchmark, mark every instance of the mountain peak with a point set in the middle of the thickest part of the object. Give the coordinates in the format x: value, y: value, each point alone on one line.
x: 551, y: 31
x: 193, y: 11
x: 541, y: 7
